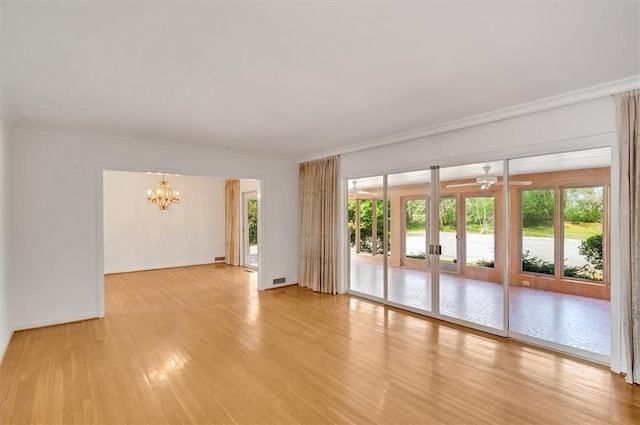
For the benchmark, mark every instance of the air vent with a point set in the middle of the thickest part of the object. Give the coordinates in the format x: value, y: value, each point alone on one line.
x: 219, y: 259
x: 279, y: 280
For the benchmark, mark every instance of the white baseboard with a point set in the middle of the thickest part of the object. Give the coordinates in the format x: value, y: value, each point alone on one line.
x: 5, y: 344
x: 52, y: 322
x: 167, y: 266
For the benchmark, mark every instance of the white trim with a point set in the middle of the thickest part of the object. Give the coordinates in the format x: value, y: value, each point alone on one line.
x: 53, y: 322
x: 170, y: 266
x: 618, y: 358
x: 560, y: 348
x: 540, y: 105
x: 104, y: 138
x: 3, y: 349
x: 100, y: 240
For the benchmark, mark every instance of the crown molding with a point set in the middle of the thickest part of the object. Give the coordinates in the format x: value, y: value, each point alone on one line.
x: 103, y: 138
x: 553, y: 102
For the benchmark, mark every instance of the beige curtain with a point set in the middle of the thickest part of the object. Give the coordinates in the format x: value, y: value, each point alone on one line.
x: 232, y: 221
x: 318, y: 199
x: 628, y: 126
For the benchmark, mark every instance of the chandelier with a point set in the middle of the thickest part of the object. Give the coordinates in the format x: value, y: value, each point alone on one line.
x: 163, y: 196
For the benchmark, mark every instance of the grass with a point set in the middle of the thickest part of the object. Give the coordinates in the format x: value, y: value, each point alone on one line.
x: 580, y: 231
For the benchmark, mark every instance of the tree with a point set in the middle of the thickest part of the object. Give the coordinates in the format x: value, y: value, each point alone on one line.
x: 252, y: 210
x: 481, y: 213
x: 584, y: 204
x: 447, y: 213
x: 537, y: 207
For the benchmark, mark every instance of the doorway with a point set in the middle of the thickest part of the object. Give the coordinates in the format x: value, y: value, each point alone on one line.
x: 250, y: 229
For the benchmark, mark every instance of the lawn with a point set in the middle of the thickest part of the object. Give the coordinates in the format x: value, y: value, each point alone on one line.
x: 580, y: 231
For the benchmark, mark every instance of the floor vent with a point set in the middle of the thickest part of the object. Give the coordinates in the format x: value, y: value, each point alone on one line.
x: 219, y: 259
x: 279, y: 280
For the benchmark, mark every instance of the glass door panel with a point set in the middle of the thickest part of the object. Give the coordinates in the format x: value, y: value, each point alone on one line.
x: 365, y: 209
x: 409, y: 279
x: 470, y: 225
x: 559, y: 288
x: 448, y: 226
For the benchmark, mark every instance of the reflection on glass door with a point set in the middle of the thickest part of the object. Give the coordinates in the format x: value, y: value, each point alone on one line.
x: 409, y: 279
x: 365, y: 209
x: 546, y: 249
x: 448, y: 226
x: 559, y: 287
x: 250, y: 229
x: 471, y: 279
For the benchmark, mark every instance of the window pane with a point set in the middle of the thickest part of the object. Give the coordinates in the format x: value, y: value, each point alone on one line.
x: 379, y: 226
x: 448, y: 232
x: 415, y: 221
x: 351, y: 211
x: 366, y: 225
x: 480, y: 221
x: 583, y: 214
x: 537, y: 231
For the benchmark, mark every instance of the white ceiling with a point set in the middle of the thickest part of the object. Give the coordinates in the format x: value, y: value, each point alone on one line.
x: 295, y: 79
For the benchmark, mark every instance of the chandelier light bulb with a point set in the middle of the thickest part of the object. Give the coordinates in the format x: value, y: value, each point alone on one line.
x: 163, y: 196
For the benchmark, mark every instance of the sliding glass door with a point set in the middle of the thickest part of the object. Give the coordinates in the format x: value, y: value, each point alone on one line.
x: 409, y: 275
x: 365, y: 207
x: 513, y: 247
x: 559, y: 288
x: 470, y: 212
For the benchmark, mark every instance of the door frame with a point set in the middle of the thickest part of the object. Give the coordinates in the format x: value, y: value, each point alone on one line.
x: 246, y: 255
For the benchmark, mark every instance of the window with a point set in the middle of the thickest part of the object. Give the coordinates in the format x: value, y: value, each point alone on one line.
x: 415, y: 212
x: 537, y: 236
x: 480, y: 237
x: 583, y: 232
x: 366, y: 225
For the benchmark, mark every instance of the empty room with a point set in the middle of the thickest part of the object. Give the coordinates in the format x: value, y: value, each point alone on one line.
x: 371, y: 212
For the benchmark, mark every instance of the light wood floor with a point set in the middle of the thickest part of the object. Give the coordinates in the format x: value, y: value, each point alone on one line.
x: 202, y: 345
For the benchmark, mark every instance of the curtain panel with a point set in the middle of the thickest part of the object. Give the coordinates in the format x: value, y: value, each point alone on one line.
x: 628, y: 129
x: 232, y: 221
x: 318, y: 197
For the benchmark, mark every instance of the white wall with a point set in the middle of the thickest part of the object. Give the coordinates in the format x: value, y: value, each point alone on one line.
x: 56, y: 230
x: 583, y: 124
x: 6, y: 329
x: 139, y: 236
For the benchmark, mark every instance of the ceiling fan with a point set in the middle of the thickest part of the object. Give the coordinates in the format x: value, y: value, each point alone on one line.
x: 487, y: 181
x: 353, y: 190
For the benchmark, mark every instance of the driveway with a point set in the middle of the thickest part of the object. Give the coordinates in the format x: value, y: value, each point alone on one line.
x: 481, y: 246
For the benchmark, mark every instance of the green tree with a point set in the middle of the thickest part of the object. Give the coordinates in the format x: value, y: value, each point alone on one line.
x: 537, y: 207
x: 415, y: 213
x: 252, y: 210
x: 351, y: 212
x: 584, y: 204
x: 447, y: 214
x: 480, y: 213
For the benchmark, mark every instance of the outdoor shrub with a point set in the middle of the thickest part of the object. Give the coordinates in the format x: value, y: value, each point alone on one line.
x: 591, y: 249
x: 536, y: 265
x: 484, y: 263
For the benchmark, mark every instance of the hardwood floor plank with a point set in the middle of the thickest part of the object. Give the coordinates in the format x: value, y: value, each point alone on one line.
x: 202, y: 345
